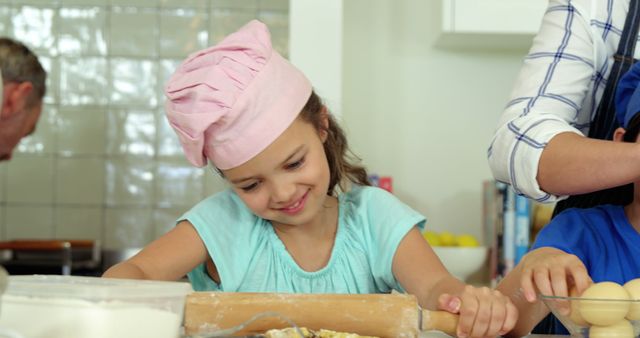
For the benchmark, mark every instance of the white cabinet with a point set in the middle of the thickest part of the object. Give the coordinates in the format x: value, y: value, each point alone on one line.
x: 492, y: 16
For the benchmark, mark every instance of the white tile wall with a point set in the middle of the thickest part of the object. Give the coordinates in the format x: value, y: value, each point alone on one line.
x: 29, y: 221
x: 30, y: 180
x: 134, y: 82
x: 83, y: 130
x: 5, y: 18
x: 83, y: 81
x: 104, y: 163
x: 176, y: 183
x: 3, y: 184
x: 130, y: 181
x: 131, y: 132
x: 200, y: 4
x: 53, y: 79
x: 140, y: 41
x: 128, y: 227
x: 163, y: 219
x: 226, y: 20
x: 79, y: 222
x: 79, y: 181
x: 82, y: 31
x: 182, y: 31
x: 2, y: 224
x: 43, y: 140
x: 38, y: 26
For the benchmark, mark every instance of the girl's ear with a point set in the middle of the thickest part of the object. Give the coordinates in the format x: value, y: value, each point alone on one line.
x: 618, y: 134
x: 324, y: 130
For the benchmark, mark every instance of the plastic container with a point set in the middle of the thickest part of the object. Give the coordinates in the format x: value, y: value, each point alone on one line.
x: 42, y: 306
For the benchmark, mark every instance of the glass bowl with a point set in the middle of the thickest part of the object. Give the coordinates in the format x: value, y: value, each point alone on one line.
x: 572, y: 311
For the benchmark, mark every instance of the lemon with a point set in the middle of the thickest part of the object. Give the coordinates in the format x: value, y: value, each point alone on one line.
x: 431, y: 237
x: 447, y: 239
x: 467, y: 240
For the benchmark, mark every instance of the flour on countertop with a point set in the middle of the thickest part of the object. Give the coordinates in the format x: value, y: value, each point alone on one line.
x: 71, y: 318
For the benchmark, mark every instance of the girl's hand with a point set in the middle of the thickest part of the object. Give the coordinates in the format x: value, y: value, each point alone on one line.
x: 552, y: 272
x: 483, y: 312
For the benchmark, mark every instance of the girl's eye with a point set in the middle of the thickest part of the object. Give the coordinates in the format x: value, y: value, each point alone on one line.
x: 249, y: 187
x: 295, y: 165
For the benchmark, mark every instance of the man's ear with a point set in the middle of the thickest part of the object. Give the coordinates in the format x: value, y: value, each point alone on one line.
x: 324, y: 131
x: 618, y: 134
x: 14, y: 97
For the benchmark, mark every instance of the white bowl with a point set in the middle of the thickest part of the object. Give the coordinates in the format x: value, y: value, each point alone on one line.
x: 462, y: 262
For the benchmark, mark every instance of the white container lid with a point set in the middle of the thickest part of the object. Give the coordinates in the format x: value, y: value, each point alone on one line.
x: 93, y: 288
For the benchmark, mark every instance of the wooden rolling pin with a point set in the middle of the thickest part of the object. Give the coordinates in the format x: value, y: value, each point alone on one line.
x: 381, y: 315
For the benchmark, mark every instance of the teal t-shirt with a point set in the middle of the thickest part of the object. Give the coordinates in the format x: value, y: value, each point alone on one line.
x: 250, y: 257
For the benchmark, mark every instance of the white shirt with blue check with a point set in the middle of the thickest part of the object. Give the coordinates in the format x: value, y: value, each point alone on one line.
x: 558, y: 88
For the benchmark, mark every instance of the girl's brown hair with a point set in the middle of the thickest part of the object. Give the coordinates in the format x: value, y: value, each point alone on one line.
x: 342, y: 162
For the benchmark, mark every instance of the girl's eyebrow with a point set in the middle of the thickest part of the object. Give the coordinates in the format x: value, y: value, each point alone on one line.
x: 293, y: 154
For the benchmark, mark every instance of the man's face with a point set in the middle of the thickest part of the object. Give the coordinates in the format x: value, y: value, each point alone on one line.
x: 13, y: 128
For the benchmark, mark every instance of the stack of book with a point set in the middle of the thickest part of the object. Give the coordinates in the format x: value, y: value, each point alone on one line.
x: 507, y: 219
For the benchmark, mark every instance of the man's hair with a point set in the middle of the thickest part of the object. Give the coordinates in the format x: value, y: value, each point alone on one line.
x: 19, y: 64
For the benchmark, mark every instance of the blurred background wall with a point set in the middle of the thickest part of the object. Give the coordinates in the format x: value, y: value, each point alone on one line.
x: 103, y: 163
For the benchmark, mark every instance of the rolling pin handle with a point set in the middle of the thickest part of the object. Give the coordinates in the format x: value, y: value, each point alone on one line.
x: 439, y: 320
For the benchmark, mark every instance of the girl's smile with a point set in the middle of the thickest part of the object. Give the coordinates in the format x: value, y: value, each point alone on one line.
x: 297, y: 206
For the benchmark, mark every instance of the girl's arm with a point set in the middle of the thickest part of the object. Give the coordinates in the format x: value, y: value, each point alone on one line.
x: 547, y: 270
x: 420, y: 272
x: 483, y: 312
x: 169, y: 257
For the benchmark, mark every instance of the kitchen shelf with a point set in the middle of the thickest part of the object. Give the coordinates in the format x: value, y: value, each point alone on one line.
x: 50, y: 256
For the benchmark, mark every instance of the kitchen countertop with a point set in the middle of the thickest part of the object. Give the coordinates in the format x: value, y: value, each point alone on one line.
x: 437, y: 334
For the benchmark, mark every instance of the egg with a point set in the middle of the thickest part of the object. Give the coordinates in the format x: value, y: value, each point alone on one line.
x: 633, y: 288
x: 621, y: 329
x: 596, y: 311
x: 575, y: 315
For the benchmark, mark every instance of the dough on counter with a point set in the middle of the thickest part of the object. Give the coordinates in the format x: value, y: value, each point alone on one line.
x: 293, y: 333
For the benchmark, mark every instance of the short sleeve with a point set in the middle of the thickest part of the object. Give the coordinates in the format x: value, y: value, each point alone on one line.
x: 225, y: 225
x: 567, y: 232
x: 388, y: 220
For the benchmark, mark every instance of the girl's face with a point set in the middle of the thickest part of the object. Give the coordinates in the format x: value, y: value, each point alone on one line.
x: 287, y: 182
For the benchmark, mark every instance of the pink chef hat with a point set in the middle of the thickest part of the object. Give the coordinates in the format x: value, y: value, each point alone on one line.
x: 228, y: 102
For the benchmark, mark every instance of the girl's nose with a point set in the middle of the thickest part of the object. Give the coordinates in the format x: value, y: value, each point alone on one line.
x: 282, y: 191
